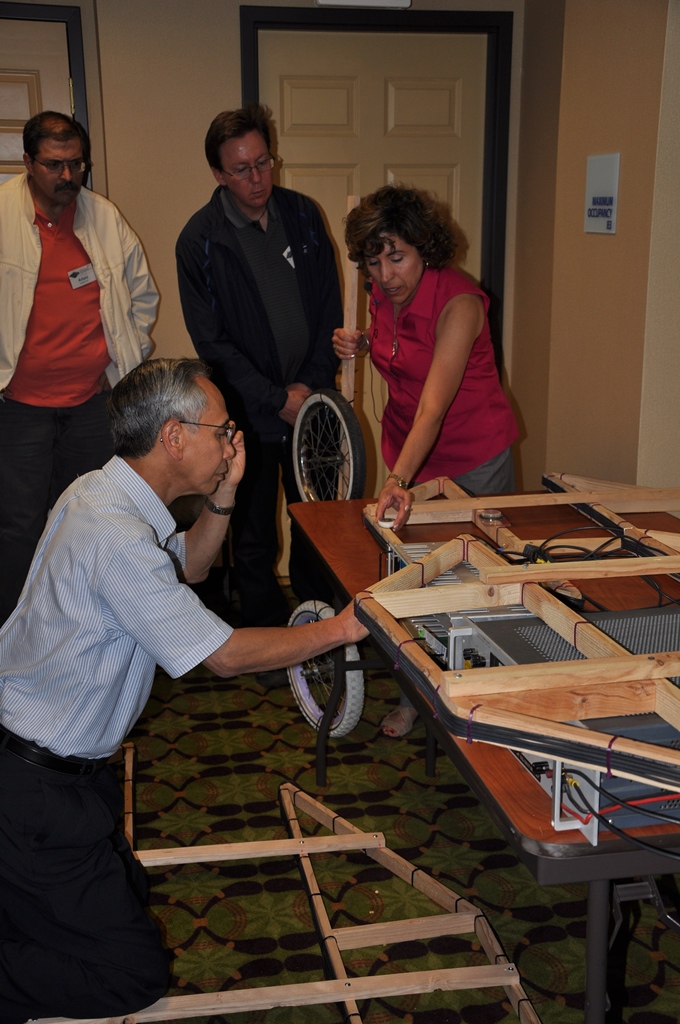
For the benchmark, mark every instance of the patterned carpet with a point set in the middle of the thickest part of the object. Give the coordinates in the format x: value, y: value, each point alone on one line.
x: 212, y: 754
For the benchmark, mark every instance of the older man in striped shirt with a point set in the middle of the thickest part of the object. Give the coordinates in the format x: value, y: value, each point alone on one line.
x: 105, y: 602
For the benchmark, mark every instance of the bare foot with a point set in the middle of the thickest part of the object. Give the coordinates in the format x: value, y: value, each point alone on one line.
x: 399, y: 721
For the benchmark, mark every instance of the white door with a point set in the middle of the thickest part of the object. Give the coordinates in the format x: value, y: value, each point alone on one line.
x: 34, y: 76
x: 357, y: 110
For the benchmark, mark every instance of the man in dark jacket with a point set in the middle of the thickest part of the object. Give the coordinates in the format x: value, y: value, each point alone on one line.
x: 261, y: 298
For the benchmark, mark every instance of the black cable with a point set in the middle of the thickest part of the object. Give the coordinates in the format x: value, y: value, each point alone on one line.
x: 563, y: 533
x: 566, y: 547
x: 591, y: 600
x: 607, y: 554
x: 633, y: 840
x: 625, y: 803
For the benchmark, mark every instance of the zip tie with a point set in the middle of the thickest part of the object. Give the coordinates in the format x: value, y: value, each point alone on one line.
x: 469, y: 722
x: 362, y: 597
x: 434, y: 702
x: 609, y: 757
x: 579, y: 622
x: 411, y: 641
x: 422, y: 572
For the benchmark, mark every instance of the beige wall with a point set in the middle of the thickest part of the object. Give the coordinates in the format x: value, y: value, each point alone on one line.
x: 534, y: 255
x: 609, y: 102
x: 659, y: 448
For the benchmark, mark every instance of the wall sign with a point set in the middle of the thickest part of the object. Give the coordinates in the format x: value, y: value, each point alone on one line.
x: 602, y: 193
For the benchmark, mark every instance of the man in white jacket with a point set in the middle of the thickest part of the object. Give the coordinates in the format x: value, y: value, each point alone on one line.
x: 78, y: 303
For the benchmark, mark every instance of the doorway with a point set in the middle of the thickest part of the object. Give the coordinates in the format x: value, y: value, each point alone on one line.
x: 41, y: 68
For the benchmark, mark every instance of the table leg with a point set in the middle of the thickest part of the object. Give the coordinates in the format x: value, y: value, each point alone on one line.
x: 597, y: 947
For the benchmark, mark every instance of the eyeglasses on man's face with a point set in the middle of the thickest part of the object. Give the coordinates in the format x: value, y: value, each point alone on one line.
x: 262, y: 166
x: 227, y: 430
x: 58, y: 166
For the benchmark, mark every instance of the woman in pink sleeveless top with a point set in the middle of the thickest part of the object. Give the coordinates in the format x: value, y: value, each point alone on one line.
x: 429, y: 338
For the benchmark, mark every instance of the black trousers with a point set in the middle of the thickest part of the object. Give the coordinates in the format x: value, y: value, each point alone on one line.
x: 256, y: 543
x: 75, y: 940
x: 42, y: 450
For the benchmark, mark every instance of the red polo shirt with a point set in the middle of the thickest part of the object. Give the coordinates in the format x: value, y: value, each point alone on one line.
x: 65, y: 351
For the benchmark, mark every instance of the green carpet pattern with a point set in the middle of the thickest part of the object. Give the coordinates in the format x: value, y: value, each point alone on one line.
x: 211, y: 756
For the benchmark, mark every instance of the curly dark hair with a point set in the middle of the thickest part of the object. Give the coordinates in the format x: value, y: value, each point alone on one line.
x: 408, y: 213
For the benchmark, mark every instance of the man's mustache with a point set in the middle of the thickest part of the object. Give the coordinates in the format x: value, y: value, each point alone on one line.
x: 66, y: 186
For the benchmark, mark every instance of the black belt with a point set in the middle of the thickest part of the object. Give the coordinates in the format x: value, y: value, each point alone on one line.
x: 46, y: 759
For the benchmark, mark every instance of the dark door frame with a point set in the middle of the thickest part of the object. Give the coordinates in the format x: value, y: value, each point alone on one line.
x: 497, y: 26
x: 70, y: 16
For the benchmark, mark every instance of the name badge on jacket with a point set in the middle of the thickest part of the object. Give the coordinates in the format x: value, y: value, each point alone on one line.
x: 82, y: 276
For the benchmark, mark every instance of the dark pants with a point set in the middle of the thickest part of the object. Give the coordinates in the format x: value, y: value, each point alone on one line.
x: 255, y: 539
x: 75, y: 940
x: 42, y: 450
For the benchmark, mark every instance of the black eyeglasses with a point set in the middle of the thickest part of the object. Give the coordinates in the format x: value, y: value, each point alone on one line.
x: 57, y: 166
x: 262, y: 166
x: 228, y: 429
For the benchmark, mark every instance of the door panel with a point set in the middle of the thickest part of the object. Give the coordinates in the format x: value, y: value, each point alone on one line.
x: 376, y: 124
x: 34, y: 76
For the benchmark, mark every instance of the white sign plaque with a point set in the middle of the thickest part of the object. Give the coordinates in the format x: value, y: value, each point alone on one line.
x: 602, y: 193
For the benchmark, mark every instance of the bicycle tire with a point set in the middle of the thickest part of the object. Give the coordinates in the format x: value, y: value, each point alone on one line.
x: 311, y: 681
x: 329, y: 457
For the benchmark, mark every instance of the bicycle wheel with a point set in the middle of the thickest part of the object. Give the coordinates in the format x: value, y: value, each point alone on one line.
x: 311, y: 681
x: 328, y: 449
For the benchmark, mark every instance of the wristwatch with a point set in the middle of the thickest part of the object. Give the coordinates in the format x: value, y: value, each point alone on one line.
x: 399, y: 480
x: 219, y: 510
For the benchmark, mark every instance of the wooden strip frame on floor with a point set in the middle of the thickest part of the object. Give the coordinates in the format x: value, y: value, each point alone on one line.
x: 460, y: 918
x: 617, y: 683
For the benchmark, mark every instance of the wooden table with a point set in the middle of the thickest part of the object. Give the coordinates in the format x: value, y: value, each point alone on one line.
x: 352, y: 560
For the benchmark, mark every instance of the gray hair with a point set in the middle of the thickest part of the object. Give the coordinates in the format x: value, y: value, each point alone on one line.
x: 153, y: 393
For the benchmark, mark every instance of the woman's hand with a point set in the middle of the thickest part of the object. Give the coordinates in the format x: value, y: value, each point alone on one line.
x: 394, y: 496
x: 347, y: 345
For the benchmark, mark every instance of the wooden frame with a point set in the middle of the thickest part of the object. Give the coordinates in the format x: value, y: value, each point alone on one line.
x: 490, y: 704
x: 459, y: 918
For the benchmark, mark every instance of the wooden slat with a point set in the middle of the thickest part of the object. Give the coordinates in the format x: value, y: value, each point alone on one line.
x: 455, y: 510
x: 448, y: 598
x: 668, y: 702
x: 527, y: 678
x: 326, y: 933
x: 430, y: 488
x: 500, y: 534
x: 252, y: 851
x: 440, y: 894
x: 611, y: 568
x: 428, y: 568
x: 403, y: 640
x: 662, y: 539
x: 574, y: 482
x: 311, y: 993
x: 573, y: 704
x: 386, y: 932
x: 451, y: 489
x: 571, y: 626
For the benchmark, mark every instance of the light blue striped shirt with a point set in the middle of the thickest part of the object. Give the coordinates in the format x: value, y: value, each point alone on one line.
x: 102, y: 606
